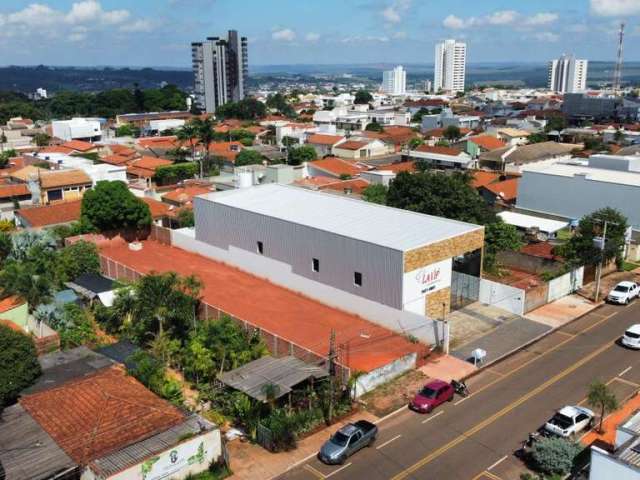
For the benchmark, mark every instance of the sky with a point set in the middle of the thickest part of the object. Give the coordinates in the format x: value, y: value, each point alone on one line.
x: 159, y: 32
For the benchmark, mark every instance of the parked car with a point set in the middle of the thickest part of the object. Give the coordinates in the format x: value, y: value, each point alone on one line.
x: 432, y: 394
x: 624, y: 292
x: 631, y: 337
x: 569, y: 421
x: 347, y: 441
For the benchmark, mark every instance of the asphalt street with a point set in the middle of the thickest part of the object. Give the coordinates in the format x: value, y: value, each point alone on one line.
x: 476, y: 437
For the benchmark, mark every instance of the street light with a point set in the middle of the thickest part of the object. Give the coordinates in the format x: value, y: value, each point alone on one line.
x: 600, y: 264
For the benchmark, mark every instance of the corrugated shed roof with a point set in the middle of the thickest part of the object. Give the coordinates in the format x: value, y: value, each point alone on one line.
x: 285, y: 373
x: 28, y: 452
x: 380, y: 225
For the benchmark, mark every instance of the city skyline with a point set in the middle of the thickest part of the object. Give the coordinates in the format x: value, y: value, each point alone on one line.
x: 159, y: 33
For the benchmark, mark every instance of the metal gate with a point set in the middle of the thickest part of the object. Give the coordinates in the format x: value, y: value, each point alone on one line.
x: 465, y: 289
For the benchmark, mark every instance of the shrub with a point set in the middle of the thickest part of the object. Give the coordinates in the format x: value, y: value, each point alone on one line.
x: 555, y: 455
x: 175, y: 173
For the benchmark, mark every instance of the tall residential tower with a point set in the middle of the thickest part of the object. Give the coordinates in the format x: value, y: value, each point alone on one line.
x: 568, y: 75
x: 450, y: 66
x: 220, y: 70
x: 394, y: 82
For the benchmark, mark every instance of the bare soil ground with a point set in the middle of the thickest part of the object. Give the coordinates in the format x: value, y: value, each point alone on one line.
x: 394, y: 394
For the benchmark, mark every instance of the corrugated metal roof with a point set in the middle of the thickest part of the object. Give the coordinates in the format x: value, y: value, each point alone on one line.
x: 140, y: 451
x: 28, y: 452
x: 389, y: 227
x: 284, y: 373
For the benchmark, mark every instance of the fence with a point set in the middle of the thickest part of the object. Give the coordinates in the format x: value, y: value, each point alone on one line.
x: 502, y: 296
x: 465, y: 289
x: 277, y: 345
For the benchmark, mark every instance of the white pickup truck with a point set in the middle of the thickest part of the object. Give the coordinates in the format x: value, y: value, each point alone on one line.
x: 569, y: 421
x: 623, y: 293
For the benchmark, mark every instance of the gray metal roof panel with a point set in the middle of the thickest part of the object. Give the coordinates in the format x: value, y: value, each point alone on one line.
x: 377, y: 224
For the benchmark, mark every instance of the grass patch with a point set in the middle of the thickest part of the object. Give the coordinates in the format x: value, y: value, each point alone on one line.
x: 564, y: 235
x: 628, y: 266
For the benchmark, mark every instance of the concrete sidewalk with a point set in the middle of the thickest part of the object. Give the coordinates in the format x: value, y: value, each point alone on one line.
x: 252, y: 462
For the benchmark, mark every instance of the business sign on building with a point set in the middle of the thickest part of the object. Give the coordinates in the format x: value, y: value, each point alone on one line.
x: 423, y: 281
x: 177, y: 460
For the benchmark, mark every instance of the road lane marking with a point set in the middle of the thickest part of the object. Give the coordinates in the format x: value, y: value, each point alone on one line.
x: 491, y: 370
x: 627, y: 382
x: 491, y: 475
x: 395, y: 412
x: 338, y: 470
x: 625, y: 371
x: 315, y: 472
x: 538, y: 357
x: 433, y: 416
x: 488, y: 421
x: 567, y: 334
x: 498, y: 463
x: 388, y: 442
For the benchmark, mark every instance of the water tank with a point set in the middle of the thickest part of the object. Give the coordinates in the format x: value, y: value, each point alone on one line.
x: 245, y: 178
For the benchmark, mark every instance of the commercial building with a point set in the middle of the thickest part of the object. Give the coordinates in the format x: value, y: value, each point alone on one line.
x: 623, y: 461
x: 357, y: 252
x: 450, y: 66
x: 220, y: 70
x: 394, y: 82
x: 567, y: 74
x: 578, y: 106
x: 77, y: 129
x: 573, y: 189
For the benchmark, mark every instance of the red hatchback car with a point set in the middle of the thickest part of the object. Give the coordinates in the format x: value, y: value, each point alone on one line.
x: 432, y: 394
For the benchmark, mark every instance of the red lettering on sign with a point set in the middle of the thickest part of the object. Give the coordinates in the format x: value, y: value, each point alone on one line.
x: 425, y: 276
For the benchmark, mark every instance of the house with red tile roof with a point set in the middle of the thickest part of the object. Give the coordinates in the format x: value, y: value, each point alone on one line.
x: 145, y: 167
x: 479, y: 144
x: 437, y: 134
x: 80, y: 146
x: 46, y: 216
x: 183, y: 196
x: 504, y: 191
x: 335, y: 167
x: 362, y: 148
x: 324, y: 143
x: 226, y: 150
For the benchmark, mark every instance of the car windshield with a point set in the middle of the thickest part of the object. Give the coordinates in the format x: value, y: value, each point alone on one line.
x: 428, y: 392
x: 621, y: 288
x: 562, y: 420
x: 631, y: 334
x: 340, y: 439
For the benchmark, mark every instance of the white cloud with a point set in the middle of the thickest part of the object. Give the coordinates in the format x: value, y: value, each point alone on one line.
x: 399, y: 35
x: 454, y: 23
x: 365, y: 39
x: 394, y: 12
x: 312, y: 37
x: 284, y: 35
x: 615, y: 8
x: 501, y: 18
x: 547, y: 37
x: 82, y: 18
x: 504, y: 17
x: 543, y: 18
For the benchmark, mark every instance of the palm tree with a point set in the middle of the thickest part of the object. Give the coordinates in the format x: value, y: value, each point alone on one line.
x: 601, y: 397
x: 189, y: 134
x: 206, y: 137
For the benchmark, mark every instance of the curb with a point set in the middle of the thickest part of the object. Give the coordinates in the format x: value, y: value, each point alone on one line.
x: 530, y: 342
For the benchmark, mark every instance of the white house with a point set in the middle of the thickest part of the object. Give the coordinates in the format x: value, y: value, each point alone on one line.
x: 362, y: 148
x: 77, y: 129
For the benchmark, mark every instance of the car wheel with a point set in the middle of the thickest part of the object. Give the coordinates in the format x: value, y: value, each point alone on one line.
x: 626, y: 301
x: 342, y: 459
x: 371, y: 442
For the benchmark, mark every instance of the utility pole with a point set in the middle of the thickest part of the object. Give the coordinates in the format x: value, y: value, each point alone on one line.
x: 445, y: 331
x: 332, y: 372
x: 599, y: 271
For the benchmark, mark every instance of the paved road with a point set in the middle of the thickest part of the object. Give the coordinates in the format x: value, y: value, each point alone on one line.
x: 474, y: 438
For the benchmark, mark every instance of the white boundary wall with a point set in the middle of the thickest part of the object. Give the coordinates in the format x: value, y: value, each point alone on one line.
x: 377, y: 377
x: 502, y: 296
x: 565, y: 284
x: 431, y: 332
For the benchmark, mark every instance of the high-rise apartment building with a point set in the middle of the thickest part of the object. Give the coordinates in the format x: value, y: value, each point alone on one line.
x: 450, y: 66
x: 568, y: 74
x: 220, y: 70
x: 394, y: 82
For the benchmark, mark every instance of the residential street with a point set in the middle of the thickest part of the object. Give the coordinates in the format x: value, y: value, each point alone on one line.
x: 475, y: 438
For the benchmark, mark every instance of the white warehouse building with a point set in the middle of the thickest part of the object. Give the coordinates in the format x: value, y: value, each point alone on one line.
x: 365, y: 258
x: 77, y: 129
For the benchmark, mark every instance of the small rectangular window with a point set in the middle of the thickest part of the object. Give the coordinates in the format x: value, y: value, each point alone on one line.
x: 260, y: 248
x: 357, y: 278
x: 315, y: 265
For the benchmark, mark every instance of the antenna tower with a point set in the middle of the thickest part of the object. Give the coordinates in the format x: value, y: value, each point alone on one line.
x: 617, y: 73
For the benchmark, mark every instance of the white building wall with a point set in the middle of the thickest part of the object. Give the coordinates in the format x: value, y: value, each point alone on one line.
x: 502, y: 296
x: 605, y: 467
x: 394, y: 82
x: 450, y: 66
x: 76, y: 128
x: 568, y: 74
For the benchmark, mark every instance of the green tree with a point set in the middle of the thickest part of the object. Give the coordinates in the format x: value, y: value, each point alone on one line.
x: 618, y: 136
x: 111, y: 206
x: 248, y: 157
x: 175, y: 173
x: 78, y: 258
x: 41, y: 139
x: 499, y: 237
x: 127, y: 130
x: 6, y: 245
x: 537, y: 138
x: 206, y: 135
x: 189, y: 134
x: 76, y: 328
x: 415, y: 143
x: 19, y: 366
x: 186, y: 218
x: 555, y: 123
x: 452, y: 133
x: 23, y: 279
x: 603, y: 399
x: 580, y: 249
x: 246, y: 109
x: 555, y: 455
x: 363, y: 97
x: 279, y: 102
x: 376, y: 193
x: 374, y: 127
x: 301, y: 154
x: 6, y: 156
x: 417, y: 117
x: 444, y: 195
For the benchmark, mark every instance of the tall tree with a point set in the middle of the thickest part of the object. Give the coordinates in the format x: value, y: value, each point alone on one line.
x: 111, y: 206
x: 452, y: 133
x: 19, y: 366
x: 189, y: 134
x: 602, y: 398
x: 206, y: 136
x: 363, y: 97
x: 301, y: 154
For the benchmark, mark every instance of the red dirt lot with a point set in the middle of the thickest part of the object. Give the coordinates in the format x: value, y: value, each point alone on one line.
x: 292, y: 316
